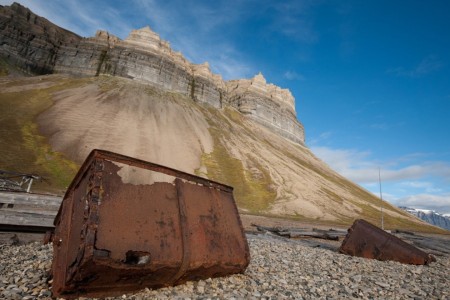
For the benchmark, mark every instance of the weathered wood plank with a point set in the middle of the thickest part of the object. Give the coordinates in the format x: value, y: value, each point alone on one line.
x: 26, y: 219
x: 36, y: 210
x: 30, y: 199
x: 302, y: 232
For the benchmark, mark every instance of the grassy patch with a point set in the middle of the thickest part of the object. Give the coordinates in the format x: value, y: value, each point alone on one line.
x: 252, y: 190
x: 333, y: 196
x: 4, y: 70
x: 52, y: 163
x: 23, y: 149
x: 234, y: 115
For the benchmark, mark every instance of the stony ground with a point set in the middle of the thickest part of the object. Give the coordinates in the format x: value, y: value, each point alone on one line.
x: 279, y: 269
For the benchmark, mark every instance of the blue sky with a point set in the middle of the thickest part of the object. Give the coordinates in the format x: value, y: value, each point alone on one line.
x: 371, y: 78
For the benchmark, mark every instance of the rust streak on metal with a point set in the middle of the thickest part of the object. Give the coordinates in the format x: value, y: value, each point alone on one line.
x: 366, y: 240
x: 184, y: 233
x: 112, y: 237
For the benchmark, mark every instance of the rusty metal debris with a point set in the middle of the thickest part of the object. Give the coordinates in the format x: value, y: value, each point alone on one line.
x: 12, y: 181
x: 369, y: 241
x: 115, y: 233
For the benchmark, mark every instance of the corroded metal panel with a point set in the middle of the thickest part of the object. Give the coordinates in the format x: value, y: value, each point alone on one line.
x: 366, y: 240
x: 126, y: 224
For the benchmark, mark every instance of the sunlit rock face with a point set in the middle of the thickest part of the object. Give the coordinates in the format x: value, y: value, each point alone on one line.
x: 267, y: 104
x: 40, y: 47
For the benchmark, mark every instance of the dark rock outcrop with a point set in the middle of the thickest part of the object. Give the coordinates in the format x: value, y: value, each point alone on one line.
x: 37, y: 46
x: 31, y: 42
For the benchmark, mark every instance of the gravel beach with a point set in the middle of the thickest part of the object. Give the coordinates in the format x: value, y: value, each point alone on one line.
x: 279, y: 269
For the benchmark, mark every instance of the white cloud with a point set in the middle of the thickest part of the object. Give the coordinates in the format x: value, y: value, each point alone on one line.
x: 352, y: 164
x: 429, y: 187
x: 419, y: 184
x: 438, y: 203
x: 356, y: 165
x: 322, y: 137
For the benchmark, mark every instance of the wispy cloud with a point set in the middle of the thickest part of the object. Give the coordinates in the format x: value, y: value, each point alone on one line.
x: 438, y: 203
x: 429, y: 187
x: 81, y: 17
x: 347, y: 162
x: 292, y: 75
x: 428, y: 65
x: 200, y: 30
x: 294, y: 20
x: 408, y: 180
x: 321, y: 138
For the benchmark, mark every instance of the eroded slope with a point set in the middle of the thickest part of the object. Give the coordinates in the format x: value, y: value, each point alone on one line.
x: 65, y: 118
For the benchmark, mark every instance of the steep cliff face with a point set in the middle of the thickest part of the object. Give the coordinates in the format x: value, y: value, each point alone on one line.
x: 40, y: 47
x: 268, y: 104
x: 144, y: 57
x: 29, y: 41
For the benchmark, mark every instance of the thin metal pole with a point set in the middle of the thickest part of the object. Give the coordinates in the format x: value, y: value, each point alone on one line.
x: 30, y: 182
x: 381, y: 197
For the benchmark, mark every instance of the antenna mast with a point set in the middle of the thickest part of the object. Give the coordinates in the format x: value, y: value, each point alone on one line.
x: 381, y: 197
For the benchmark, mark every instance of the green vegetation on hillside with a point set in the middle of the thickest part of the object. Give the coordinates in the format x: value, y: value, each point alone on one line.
x: 252, y: 190
x: 24, y: 149
x: 4, y: 69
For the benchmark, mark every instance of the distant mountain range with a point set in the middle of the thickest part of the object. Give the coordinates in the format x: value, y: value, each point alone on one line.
x: 430, y: 217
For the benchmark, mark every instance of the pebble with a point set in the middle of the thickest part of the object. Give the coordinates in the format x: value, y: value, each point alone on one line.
x: 279, y: 269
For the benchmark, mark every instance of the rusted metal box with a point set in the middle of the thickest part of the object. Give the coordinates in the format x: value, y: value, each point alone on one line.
x: 126, y: 224
x: 366, y: 240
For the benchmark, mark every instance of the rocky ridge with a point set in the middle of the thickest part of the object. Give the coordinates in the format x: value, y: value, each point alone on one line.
x: 40, y: 47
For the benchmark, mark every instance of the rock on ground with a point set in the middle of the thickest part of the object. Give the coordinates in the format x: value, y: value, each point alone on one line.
x: 279, y: 269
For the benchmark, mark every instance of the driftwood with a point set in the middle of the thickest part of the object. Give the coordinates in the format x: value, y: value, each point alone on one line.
x: 403, y: 232
x: 293, y: 233
x: 439, y: 246
x: 27, y: 212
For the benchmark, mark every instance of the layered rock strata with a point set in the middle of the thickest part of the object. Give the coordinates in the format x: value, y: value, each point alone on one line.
x: 31, y: 42
x: 39, y: 47
x: 267, y: 104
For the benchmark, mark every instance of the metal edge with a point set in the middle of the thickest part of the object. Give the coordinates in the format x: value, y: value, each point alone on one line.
x: 80, y: 174
x: 104, y: 154
x: 160, y: 168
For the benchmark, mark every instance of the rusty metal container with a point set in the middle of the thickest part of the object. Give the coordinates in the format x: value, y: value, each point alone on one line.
x: 366, y: 240
x: 126, y: 224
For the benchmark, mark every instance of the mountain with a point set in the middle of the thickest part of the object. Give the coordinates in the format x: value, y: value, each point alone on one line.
x: 140, y: 98
x: 430, y: 216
